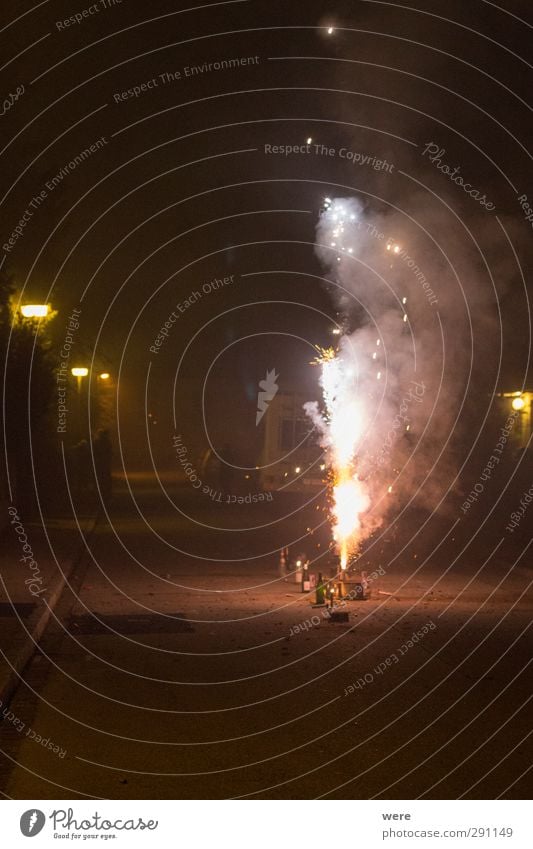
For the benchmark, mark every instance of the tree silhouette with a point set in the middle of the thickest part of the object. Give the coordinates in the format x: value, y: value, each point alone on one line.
x: 28, y: 378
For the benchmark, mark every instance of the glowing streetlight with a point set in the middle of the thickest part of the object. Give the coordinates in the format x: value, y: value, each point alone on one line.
x: 518, y: 403
x: 331, y: 30
x: 104, y: 376
x: 309, y: 140
x: 35, y: 310
x: 79, y: 372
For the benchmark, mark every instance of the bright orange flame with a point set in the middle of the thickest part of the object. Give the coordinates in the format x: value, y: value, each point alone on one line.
x: 349, y: 501
x: 344, y: 426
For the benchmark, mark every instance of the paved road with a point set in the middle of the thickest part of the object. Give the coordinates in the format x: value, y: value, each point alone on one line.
x: 169, y: 672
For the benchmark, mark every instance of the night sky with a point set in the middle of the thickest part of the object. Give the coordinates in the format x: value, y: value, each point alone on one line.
x: 182, y: 192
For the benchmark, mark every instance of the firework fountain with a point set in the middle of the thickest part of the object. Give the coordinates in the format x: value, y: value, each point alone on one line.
x: 341, y: 427
x: 349, y: 375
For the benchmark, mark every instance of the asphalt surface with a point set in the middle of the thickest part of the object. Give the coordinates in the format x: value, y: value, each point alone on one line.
x: 177, y: 664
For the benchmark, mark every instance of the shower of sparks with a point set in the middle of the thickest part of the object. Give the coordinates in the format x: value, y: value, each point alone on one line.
x: 343, y: 425
x: 343, y: 227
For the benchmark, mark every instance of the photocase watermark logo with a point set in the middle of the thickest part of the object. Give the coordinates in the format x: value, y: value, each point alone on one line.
x: 267, y: 391
x: 32, y: 822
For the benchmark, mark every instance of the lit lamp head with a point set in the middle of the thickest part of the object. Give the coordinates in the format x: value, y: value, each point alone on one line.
x: 104, y: 376
x: 35, y: 310
x: 80, y: 372
x: 518, y: 403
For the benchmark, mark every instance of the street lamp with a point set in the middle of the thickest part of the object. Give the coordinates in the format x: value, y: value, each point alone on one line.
x: 104, y: 376
x: 79, y: 372
x: 35, y: 310
x: 522, y: 406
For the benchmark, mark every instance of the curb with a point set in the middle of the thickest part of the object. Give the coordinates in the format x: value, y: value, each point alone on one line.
x: 36, y: 624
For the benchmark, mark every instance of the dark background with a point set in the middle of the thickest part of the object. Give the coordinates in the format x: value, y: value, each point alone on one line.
x: 170, y: 202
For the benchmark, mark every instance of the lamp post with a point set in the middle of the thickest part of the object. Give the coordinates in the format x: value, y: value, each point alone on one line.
x: 521, y: 404
x: 79, y: 372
